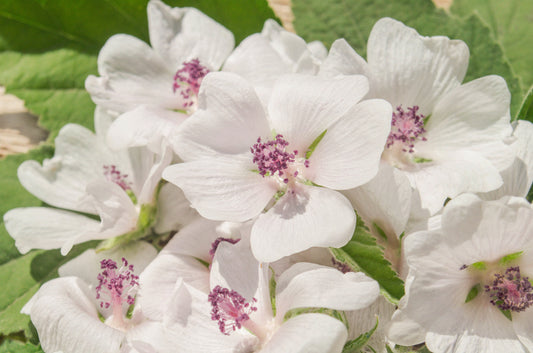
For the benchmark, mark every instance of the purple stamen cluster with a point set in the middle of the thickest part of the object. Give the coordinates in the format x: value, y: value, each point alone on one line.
x: 188, y: 79
x: 219, y: 240
x: 114, y: 175
x: 510, y: 291
x: 271, y: 157
x: 406, y: 127
x: 341, y: 266
x: 115, y: 282
x: 229, y: 308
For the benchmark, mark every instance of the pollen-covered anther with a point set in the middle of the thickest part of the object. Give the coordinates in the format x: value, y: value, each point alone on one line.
x: 272, y: 158
x: 406, y: 128
x: 114, y: 175
x: 510, y: 291
x: 188, y: 79
x: 116, y: 285
x: 230, y: 309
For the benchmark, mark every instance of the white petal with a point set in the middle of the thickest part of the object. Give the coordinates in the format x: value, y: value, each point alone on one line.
x: 224, y: 188
x: 302, y: 107
x: 229, y: 120
x: 132, y: 74
x: 184, y: 34
x: 157, y: 163
x: 343, y: 60
x: 310, y: 285
x: 409, y: 69
x: 311, y: 216
x: 452, y: 174
x: 173, y: 209
x: 47, y: 228
x: 349, y: 153
x: 473, y: 116
x: 158, y: 281
x: 61, y: 180
x: 385, y: 200
x: 523, y: 326
x: 402, y: 330
x: 308, y: 333
x: 144, y: 126
x: 67, y: 321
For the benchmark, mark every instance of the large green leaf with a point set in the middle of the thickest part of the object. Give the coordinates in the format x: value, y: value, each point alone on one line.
x: 25, y: 274
x: 52, y: 85
x: 511, y: 22
x: 19, y: 347
x: 327, y: 20
x: 362, y: 253
x: 85, y: 25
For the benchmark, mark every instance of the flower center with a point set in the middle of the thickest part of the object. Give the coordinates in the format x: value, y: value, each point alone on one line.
x: 217, y: 242
x: 272, y: 158
x: 114, y: 175
x: 406, y: 128
x: 187, y: 81
x: 116, y: 286
x: 230, y: 309
x: 510, y: 291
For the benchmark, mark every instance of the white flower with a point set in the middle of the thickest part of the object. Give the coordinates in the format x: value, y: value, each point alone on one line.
x: 157, y: 87
x: 467, y: 277
x: 446, y: 136
x: 86, y: 176
x: 86, y: 311
x: 239, y: 158
x: 240, y: 299
x: 263, y: 57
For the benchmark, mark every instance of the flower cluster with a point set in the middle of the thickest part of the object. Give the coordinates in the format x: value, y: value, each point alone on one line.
x: 233, y: 185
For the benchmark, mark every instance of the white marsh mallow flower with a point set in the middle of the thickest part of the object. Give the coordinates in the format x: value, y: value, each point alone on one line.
x: 447, y: 137
x: 468, y: 287
x: 315, y: 137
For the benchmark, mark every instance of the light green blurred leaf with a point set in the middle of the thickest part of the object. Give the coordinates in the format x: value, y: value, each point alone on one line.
x: 19, y: 347
x: 511, y: 22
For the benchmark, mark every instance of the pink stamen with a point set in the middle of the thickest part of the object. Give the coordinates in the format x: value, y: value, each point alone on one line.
x: 188, y: 79
x: 230, y: 309
x: 271, y: 157
x: 114, y: 175
x: 406, y: 128
x: 510, y: 291
x: 117, y: 285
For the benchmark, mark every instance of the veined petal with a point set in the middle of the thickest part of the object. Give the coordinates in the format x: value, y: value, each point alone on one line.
x: 311, y: 285
x: 132, y: 74
x: 229, y: 120
x: 173, y: 209
x: 302, y: 107
x: 311, y: 216
x: 48, y: 228
x: 181, y: 34
x: 408, y: 69
x: 523, y: 326
x: 343, y: 60
x: 67, y: 320
x: 224, y: 188
x: 144, y: 126
x: 349, y: 153
x: 473, y: 116
x: 308, y: 333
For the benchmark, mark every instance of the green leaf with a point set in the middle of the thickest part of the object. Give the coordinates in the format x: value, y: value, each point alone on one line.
x: 315, y: 143
x: 355, y: 345
x: 52, y: 85
x: 85, y: 25
x: 25, y: 275
x: 327, y: 20
x: 480, y: 266
x: 473, y: 293
x: 362, y: 253
x: 526, y: 109
x: 512, y: 24
x: 19, y: 347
